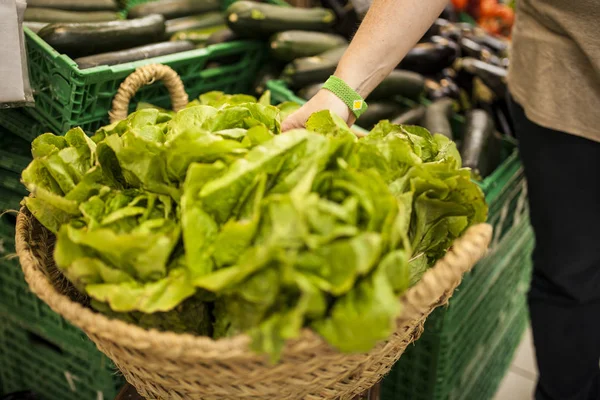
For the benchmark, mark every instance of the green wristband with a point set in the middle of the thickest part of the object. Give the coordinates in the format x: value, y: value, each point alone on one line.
x: 355, y: 103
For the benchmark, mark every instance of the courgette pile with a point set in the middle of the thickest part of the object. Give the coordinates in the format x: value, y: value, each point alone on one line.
x: 93, y: 33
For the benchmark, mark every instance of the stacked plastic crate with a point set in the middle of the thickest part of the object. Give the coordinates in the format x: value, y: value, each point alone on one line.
x: 39, y: 351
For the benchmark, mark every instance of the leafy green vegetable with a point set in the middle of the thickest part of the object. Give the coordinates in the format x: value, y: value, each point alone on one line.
x: 211, y: 221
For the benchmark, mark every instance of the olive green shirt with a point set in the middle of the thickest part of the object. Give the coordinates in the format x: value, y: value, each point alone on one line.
x: 555, y: 64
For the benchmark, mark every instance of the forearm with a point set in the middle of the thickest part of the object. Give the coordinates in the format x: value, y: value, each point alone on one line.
x: 390, y: 29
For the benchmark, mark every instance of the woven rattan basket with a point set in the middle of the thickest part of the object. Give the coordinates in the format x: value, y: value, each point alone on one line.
x: 169, y: 366
x: 177, y: 366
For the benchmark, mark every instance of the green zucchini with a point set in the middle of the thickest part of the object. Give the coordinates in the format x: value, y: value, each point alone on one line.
x: 82, y: 39
x: 437, y: 117
x: 196, y: 36
x: 51, y: 15
x: 309, y: 91
x: 306, y: 70
x: 193, y: 22
x: 221, y: 36
x: 399, y: 83
x: 289, y: 45
x: 251, y: 19
x: 134, y: 54
x: 377, y: 111
x: 173, y: 8
x: 414, y: 116
x: 75, y: 5
x: 480, y: 149
x: 34, y: 26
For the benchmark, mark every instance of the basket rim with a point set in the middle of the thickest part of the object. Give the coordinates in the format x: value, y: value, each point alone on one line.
x: 434, y: 289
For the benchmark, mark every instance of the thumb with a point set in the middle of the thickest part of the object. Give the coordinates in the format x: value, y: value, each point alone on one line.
x: 291, y: 122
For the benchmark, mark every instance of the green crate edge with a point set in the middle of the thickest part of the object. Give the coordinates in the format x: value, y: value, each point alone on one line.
x: 103, y: 382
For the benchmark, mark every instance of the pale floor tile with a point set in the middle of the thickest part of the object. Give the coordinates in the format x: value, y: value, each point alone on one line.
x: 524, y: 361
x: 519, y: 382
x: 515, y: 387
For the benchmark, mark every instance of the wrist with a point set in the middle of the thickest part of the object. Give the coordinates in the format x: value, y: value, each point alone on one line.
x: 351, y: 99
x: 361, y: 80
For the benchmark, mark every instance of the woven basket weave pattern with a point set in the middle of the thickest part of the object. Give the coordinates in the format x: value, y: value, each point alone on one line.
x: 169, y: 366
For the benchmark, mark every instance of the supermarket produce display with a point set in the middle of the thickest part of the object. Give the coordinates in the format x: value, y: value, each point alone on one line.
x: 210, y: 221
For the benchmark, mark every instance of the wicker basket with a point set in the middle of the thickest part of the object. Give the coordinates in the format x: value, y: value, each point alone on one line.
x: 169, y: 366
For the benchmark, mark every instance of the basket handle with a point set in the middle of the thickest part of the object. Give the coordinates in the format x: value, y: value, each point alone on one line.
x: 438, y: 283
x: 147, y: 75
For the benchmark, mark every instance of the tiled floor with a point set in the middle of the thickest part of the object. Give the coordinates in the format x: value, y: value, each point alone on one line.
x: 520, y: 379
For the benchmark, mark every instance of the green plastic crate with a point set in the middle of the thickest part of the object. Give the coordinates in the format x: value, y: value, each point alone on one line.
x: 12, y: 181
x: 9, y: 200
x: 53, y: 370
x: 13, y: 162
x: 18, y: 123
x: 17, y: 301
x: 458, y: 339
x: 66, y: 96
x: 7, y: 231
x: 487, y: 378
x: 14, y: 144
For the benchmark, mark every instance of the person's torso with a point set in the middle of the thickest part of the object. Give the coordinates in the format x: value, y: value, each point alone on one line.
x: 555, y: 64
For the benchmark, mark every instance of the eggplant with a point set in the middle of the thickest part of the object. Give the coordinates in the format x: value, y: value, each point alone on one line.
x: 437, y: 117
x: 499, y: 46
x: 448, y: 73
x: 347, y: 19
x: 435, y: 28
x: 449, y: 13
x: 431, y: 57
x: 452, y: 32
x: 493, y: 76
x: 446, y: 87
x: 470, y: 48
x: 414, y: 116
x: 502, y: 118
x: 480, y: 149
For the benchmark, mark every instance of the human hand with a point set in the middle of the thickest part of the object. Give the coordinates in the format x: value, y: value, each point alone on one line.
x: 323, y: 100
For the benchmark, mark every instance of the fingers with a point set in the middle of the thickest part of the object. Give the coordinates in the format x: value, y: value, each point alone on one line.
x: 290, y: 123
